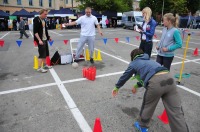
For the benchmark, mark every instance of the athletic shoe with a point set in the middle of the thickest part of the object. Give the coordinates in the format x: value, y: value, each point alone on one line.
x: 47, y: 67
x: 140, y: 129
x: 91, y: 60
x: 41, y: 70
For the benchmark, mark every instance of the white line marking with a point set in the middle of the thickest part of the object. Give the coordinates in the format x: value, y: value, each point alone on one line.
x: 56, y: 33
x: 193, y: 43
x: 27, y: 88
x: 189, y: 90
x: 5, y: 35
x: 31, y: 33
x: 71, y: 104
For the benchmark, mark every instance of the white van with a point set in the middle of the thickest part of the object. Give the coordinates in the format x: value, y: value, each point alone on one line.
x: 132, y: 18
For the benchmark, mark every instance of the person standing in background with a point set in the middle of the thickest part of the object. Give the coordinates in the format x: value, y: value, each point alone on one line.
x: 147, y: 31
x: 22, y: 28
x: 170, y: 40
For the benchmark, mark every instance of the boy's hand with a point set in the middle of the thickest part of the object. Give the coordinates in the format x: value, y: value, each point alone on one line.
x: 134, y: 90
x: 115, y: 92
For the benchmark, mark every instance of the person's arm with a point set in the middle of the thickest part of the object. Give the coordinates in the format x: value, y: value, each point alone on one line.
x: 152, y: 30
x: 178, y: 41
x: 71, y: 23
x: 99, y: 30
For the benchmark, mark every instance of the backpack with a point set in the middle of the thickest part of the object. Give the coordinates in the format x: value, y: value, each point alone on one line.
x: 55, y: 60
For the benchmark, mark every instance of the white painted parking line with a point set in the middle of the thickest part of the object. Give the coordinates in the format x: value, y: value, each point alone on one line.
x: 27, y: 88
x: 189, y: 90
x: 193, y: 43
x: 31, y: 33
x: 71, y: 104
x: 55, y: 33
x: 4, y: 35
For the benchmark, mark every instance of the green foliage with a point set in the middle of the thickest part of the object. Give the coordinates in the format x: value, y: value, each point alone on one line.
x: 104, y: 5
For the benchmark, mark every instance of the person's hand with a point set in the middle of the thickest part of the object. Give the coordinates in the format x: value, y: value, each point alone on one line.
x: 157, y: 47
x: 101, y: 33
x: 134, y: 90
x: 41, y: 42
x: 164, y: 49
x: 115, y: 92
x: 66, y: 24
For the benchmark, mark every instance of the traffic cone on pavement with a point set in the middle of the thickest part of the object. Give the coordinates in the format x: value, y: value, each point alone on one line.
x: 163, y: 117
x: 48, y: 61
x: 99, y: 56
x: 87, y: 54
x: 97, y: 125
x: 196, y: 52
x: 35, y: 63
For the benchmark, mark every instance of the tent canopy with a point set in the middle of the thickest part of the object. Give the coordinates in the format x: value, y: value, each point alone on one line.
x: 3, y: 14
x: 34, y: 13
x: 110, y: 14
x: 22, y: 13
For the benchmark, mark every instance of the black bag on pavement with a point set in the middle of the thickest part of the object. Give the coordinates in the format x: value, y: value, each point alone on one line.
x: 55, y: 60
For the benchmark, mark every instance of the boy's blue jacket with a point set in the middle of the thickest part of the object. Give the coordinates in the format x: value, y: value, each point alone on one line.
x: 142, y: 66
x: 150, y: 30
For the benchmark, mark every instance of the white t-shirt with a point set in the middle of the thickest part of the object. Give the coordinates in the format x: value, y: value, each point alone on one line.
x: 87, y: 25
x: 144, y: 29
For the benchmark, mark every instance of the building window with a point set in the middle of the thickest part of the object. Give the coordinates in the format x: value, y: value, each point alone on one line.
x: 66, y: 1
x: 30, y: 2
x: 50, y: 3
x: 19, y: 2
x: 41, y: 2
x: 5, y: 1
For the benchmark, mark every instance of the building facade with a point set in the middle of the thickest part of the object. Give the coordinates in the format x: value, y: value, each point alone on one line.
x: 10, y: 6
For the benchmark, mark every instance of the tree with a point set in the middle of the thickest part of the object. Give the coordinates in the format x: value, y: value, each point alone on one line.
x: 193, y: 5
x: 173, y: 6
x: 104, y: 5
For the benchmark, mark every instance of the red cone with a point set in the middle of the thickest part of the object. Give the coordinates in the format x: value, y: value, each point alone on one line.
x: 196, y: 52
x: 65, y: 41
x: 48, y: 61
x: 163, y: 117
x: 1, y: 42
x: 97, y: 125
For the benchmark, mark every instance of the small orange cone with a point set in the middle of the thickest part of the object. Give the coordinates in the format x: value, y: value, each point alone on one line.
x: 48, y: 61
x: 196, y: 52
x: 97, y: 125
x: 163, y: 117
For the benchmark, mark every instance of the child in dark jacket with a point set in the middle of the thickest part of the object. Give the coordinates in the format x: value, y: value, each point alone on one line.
x: 159, y: 83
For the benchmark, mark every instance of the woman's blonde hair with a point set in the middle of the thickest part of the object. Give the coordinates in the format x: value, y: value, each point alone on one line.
x: 173, y: 19
x: 148, y: 13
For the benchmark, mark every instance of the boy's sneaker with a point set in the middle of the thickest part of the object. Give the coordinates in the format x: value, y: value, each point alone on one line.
x: 47, y: 67
x: 41, y: 70
x: 140, y: 129
x: 91, y: 60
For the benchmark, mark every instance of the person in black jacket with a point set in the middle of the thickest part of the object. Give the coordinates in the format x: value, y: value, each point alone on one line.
x: 41, y: 37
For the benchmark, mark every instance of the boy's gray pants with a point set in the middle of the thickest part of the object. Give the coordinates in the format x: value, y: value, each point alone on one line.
x: 163, y: 86
x: 85, y: 39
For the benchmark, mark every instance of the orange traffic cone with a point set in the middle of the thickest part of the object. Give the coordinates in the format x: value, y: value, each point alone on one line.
x: 48, y: 61
x: 163, y: 117
x: 97, y: 125
x: 196, y: 52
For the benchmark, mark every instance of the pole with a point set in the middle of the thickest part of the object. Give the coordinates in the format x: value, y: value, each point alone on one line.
x: 162, y: 10
x: 185, y: 52
x: 72, y: 5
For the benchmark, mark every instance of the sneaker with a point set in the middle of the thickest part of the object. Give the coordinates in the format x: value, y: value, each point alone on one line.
x: 76, y: 60
x: 47, y: 67
x: 140, y: 129
x: 41, y: 70
x: 91, y: 60
x: 20, y: 38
